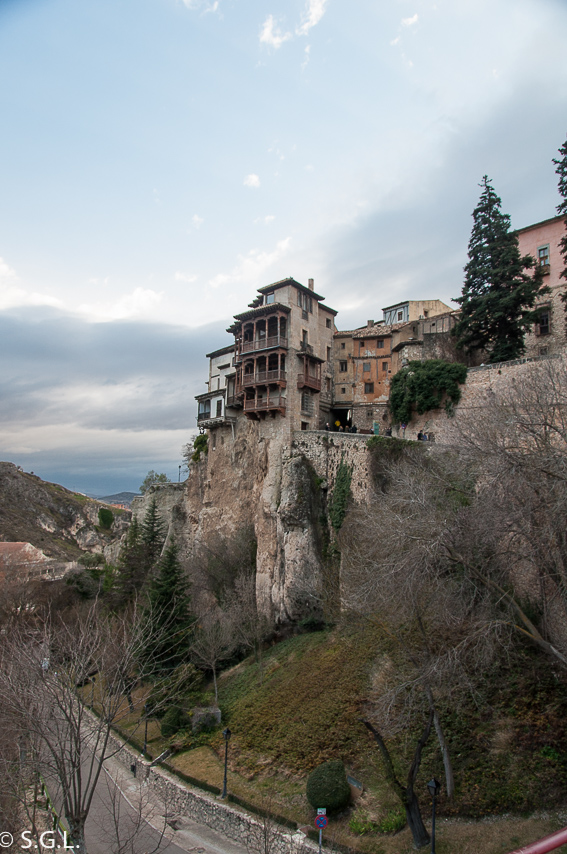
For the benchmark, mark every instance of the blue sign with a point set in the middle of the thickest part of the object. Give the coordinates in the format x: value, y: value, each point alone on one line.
x: 321, y: 821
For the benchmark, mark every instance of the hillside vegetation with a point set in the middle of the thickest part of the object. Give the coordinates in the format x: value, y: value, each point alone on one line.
x: 52, y: 518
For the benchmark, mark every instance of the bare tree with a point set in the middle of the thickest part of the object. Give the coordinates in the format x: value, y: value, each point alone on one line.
x: 213, y: 641
x: 517, y: 441
x: 440, y: 626
x: 46, y: 672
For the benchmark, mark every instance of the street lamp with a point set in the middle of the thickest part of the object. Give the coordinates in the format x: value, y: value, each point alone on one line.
x: 179, y: 480
x: 434, y: 787
x: 146, y: 729
x: 227, y: 733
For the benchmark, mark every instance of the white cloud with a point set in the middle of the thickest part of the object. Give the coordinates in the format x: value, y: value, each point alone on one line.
x: 395, y: 41
x: 250, y: 268
x: 409, y: 22
x: 312, y: 15
x: 306, y: 58
x: 197, y: 221
x: 140, y: 302
x: 265, y: 219
x: 272, y: 35
x: 185, y: 277
x: 252, y: 181
x: 12, y: 295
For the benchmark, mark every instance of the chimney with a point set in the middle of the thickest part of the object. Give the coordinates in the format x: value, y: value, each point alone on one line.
x: 311, y: 284
x: 369, y: 323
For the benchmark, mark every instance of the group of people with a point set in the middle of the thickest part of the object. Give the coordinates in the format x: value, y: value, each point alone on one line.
x: 422, y: 437
x: 340, y: 429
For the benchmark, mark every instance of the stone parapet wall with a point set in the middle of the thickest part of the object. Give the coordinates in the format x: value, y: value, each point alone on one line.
x: 181, y: 800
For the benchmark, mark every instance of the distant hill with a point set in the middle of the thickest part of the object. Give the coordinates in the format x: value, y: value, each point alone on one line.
x: 120, y: 498
x: 61, y: 523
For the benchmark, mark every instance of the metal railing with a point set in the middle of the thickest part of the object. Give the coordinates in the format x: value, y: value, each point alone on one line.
x: 543, y: 846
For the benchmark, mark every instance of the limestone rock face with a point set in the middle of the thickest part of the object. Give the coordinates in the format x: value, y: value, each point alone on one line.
x: 250, y: 481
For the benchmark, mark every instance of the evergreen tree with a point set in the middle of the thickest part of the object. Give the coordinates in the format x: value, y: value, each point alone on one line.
x: 130, y: 570
x: 561, y: 170
x: 498, y: 298
x: 152, y: 536
x: 167, y: 620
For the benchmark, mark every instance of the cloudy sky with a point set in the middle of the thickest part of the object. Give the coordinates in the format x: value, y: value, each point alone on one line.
x: 162, y: 159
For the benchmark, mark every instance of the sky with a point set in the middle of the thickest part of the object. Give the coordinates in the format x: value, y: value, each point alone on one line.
x: 160, y: 160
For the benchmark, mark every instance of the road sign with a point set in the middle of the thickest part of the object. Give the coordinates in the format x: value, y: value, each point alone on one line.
x: 321, y: 821
x: 322, y: 811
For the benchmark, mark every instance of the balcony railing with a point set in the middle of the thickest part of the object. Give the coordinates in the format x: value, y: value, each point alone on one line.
x: 264, y: 343
x: 264, y: 403
x: 263, y: 377
x: 307, y: 381
x: 204, y: 416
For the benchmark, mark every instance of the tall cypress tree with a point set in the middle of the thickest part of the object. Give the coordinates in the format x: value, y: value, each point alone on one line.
x: 130, y: 570
x: 167, y: 620
x: 561, y: 170
x: 152, y: 535
x: 498, y: 298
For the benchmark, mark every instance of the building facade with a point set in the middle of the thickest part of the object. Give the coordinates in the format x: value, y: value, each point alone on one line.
x: 541, y: 241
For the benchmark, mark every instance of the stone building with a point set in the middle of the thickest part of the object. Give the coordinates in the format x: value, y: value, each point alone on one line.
x: 365, y: 359
x: 541, y: 241
x: 280, y: 366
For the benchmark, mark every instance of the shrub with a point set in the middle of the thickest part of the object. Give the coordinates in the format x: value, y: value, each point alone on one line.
x: 201, y: 444
x: 173, y: 720
x: 91, y: 560
x: 421, y: 386
x: 105, y: 517
x: 327, y: 786
x: 341, y: 495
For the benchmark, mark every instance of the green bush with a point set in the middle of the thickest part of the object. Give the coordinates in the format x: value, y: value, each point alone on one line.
x: 421, y: 386
x: 327, y: 786
x: 201, y: 444
x: 173, y: 720
x: 105, y: 517
x: 341, y: 495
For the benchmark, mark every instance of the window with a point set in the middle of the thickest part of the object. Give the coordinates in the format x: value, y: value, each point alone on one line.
x: 343, y: 390
x: 304, y: 338
x: 343, y: 345
x: 306, y: 403
x: 543, y: 256
x: 328, y: 354
x: 384, y: 366
x: 361, y: 345
x: 342, y: 367
x: 270, y: 298
x: 328, y: 323
x: 368, y: 388
x: 380, y: 344
x: 400, y: 315
x: 304, y: 425
x: 544, y: 323
x: 366, y: 367
x: 219, y: 408
x: 304, y: 301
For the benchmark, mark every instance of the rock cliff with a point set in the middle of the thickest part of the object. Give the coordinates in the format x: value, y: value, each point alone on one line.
x: 61, y: 523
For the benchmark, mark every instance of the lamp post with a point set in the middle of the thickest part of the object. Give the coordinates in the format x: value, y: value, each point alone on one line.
x: 146, y: 729
x: 227, y: 733
x: 179, y: 479
x: 434, y: 787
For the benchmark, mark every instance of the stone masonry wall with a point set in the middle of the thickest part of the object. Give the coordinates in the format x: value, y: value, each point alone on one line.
x: 189, y: 802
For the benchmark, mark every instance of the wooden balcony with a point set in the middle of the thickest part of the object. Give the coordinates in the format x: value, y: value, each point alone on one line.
x: 308, y: 381
x: 264, y: 404
x: 264, y: 344
x: 263, y: 378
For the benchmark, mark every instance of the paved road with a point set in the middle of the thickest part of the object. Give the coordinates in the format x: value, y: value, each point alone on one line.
x: 127, y: 818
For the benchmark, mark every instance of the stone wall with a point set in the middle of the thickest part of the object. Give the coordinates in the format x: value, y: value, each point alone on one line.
x: 189, y: 802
